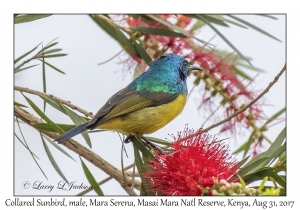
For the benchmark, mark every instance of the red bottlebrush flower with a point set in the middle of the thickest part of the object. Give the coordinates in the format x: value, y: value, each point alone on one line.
x: 195, y: 162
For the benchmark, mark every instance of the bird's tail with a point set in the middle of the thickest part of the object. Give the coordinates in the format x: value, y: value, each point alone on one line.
x: 73, y: 132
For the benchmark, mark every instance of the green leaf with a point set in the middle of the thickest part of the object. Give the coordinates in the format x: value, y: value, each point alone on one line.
x: 264, y: 158
x: 142, y: 52
x: 241, y: 163
x: 212, y: 19
x: 44, y: 79
x: 198, y: 24
x: 241, y: 73
x: 50, y: 128
x: 25, y: 146
x: 158, y: 31
x: 57, y: 146
x: 266, y: 171
x: 42, y: 115
x: 29, y: 18
x: 55, y: 104
x: 91, y: 179
x: 18, y: 104
x: 122, y: 164
x: 245, y: 147
x: 248, y: 167
x: 115, y: 33
x: 96, y: 131
x: 277, y: 114
x: 28, y: 147
x: 22, y: 69
x: 141, y: 147
x: 52, y: 51
x: 133, y: 177
x: 53, y: 162
x: 47, y: 47
x: 53, y: 67
x: 53, y: 55
x: 250, y: 67
x: 140, y: 164
x: 254, y: 27
x: 24, y: 55
x: 224, y: 38
x: 176, y: 28
x: 221, y: 18
x: 159, y: 141
x: 268, y: 16
x: 242, y: 181
x: 77, y: 120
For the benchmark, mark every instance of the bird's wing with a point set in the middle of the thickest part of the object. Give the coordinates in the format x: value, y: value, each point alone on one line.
x: 126, y: 101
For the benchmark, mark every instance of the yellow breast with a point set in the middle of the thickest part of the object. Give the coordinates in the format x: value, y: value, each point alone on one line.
x: 147, y: 120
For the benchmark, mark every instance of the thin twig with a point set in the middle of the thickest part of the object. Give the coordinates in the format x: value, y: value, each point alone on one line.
x: 250, y: 104
x: 24, y: 62
x: 89, y: 155
x: 68, y: 103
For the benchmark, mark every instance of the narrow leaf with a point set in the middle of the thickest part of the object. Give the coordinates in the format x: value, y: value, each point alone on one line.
x: 250, y: 67
x: 224, y: 38
x: 241, y: 163
x: 50, y: 128
x: 41, y: 114
x: 268, y: 16
x: 52, y: 51
x: 52, y: 102
x: 77, y: 120
x: 22, y: 69
x: 115, y: 33
x: 57, y: 147
x: 158, y: 31
x: 243, y: 171
x: 219, y: 17
x: 141, y: 147
x: 139, y: 164
x: 53, y: 55
x: 176, y: 28
x: 54, y: 164
x: 24, y: 55
x: 277, y: 114
x: 133, y: 177
x: 47, y: 47
x: 198, y: 24
x: 18, y: 104
x: 214, y: 20
x: 91, y: 179
x: 96, y: 131
x: 44, y: 79
x: 142, y: 52
x: 29, y: 18
x: 159, y: 141
x: 26, y: 146
x: 53, y: 67
x: 254, y: 27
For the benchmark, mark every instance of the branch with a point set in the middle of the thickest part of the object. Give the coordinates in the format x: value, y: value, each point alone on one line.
x: 250, y: 104
x: 92, y: 157
x: 68, y: 103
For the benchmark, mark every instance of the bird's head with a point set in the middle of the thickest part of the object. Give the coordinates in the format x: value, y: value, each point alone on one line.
x: 176, y: 63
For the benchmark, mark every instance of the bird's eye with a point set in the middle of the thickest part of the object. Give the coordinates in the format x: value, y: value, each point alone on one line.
x: 162, y: 57
x: 185, y: 63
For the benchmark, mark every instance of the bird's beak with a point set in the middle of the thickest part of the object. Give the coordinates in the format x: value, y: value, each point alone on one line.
x: 191, y: 68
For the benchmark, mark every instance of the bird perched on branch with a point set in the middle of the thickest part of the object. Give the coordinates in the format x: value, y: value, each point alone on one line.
x: 147, y: 104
